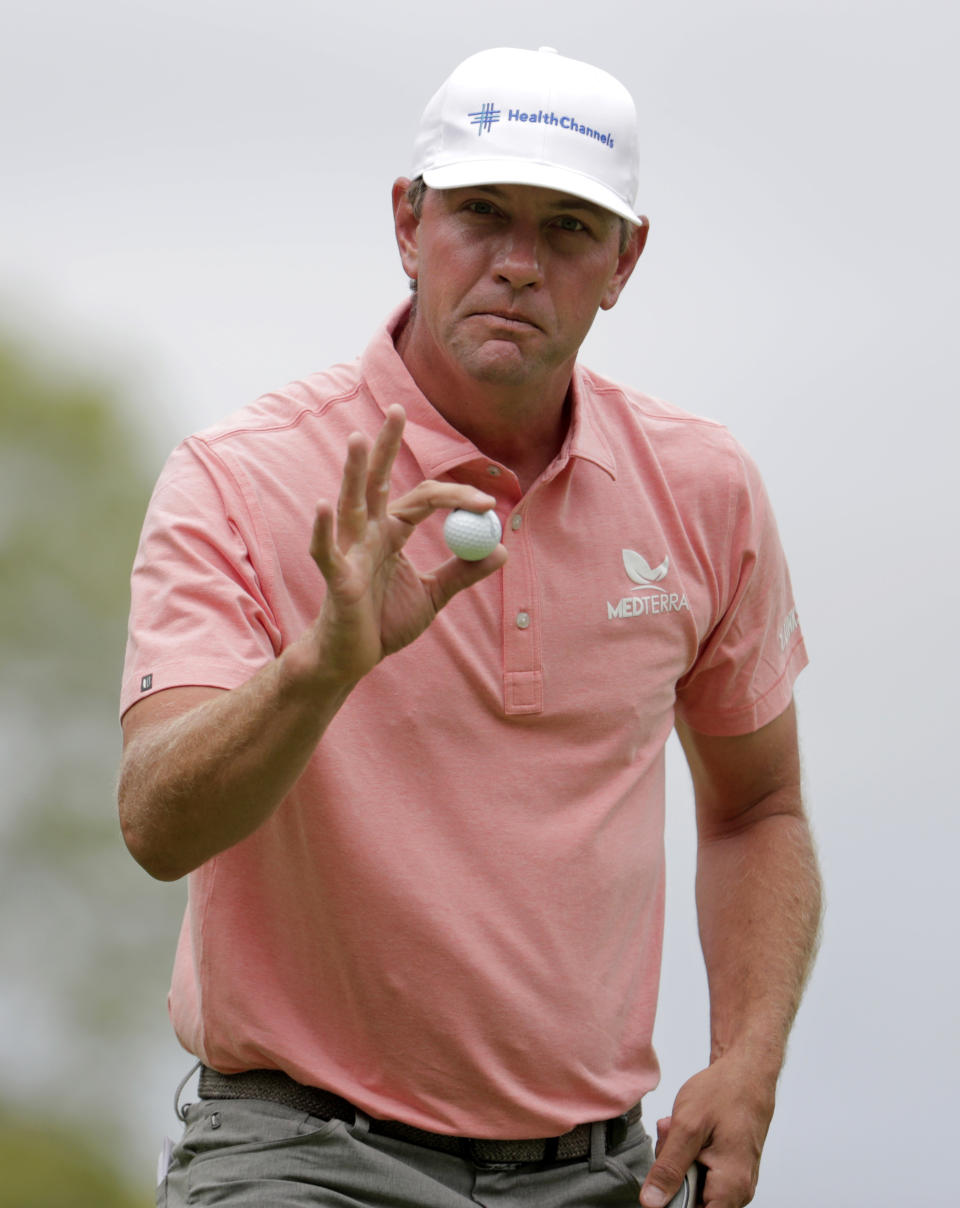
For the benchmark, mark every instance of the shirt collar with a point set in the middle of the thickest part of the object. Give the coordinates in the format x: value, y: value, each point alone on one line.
x: 436, y: 444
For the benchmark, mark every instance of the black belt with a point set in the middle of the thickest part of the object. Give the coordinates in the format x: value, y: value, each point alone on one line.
x: 278, y: 1087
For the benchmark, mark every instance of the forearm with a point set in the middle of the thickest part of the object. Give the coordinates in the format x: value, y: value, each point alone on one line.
x: 196, y: 784
x: 758, y: 901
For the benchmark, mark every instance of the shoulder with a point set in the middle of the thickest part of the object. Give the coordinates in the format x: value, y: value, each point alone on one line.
x: 281, y: 434
x: 692, y: 451
x: 285, y: 410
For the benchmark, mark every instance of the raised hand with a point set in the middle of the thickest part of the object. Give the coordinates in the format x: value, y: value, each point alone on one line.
x: 377, y: 601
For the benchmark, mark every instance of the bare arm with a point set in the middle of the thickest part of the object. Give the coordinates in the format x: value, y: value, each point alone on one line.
x: 203, y: 768
x: 758, y: 902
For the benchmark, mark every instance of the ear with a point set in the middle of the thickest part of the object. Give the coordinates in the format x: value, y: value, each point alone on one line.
x: 406, y: 227
x: 626, y: 263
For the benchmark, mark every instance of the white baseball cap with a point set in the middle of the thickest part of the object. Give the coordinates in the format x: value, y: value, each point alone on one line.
x: 532, y: 117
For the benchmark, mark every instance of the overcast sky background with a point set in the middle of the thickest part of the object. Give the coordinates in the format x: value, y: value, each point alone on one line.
x: 194, y: 201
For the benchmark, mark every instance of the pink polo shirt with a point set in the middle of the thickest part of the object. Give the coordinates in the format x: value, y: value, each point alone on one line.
x: 455, y: 918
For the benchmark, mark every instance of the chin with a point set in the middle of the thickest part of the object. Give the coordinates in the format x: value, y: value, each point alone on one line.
x: 503, y: 373
x: 501, y: 362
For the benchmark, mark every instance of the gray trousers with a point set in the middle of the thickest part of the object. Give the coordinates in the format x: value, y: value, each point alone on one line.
x: 255, y: 1154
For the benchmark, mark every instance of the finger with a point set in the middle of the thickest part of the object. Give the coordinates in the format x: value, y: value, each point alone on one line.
x: 382, y: 457
x: 455, y: 574
x: 430, y: 496
x: 322, y: 544
x: 352, y: 502
x: 726, y: 1184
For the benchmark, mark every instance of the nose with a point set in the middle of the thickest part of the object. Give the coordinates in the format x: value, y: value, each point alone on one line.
x: 518, y: 259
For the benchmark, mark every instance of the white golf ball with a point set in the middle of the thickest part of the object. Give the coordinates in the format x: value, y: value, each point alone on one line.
x: 472, y: 535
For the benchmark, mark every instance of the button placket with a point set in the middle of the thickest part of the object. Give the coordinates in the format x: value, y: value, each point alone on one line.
x: 522, y: 668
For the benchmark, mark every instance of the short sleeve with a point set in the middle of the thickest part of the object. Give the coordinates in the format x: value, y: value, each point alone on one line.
x: 746, y: 665
x: 198, y: 612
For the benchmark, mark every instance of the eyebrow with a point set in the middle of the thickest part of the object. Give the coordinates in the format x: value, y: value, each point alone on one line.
x: 566, y: 202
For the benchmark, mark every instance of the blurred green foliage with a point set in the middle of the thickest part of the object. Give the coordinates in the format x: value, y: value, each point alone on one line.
x: 86, y: 940
x: 51, y: 1168
x: 72, y: 496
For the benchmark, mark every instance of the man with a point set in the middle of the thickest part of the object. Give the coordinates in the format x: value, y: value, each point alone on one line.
x: 420, y: 799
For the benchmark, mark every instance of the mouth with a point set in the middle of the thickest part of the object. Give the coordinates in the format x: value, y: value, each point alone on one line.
x: 509, y: 319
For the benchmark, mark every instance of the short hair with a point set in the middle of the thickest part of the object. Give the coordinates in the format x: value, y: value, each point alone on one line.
x: 417, y: 190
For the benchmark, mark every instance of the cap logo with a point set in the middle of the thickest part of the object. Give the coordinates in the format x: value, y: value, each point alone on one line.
x: 485, y: 116
x: 488, y: 113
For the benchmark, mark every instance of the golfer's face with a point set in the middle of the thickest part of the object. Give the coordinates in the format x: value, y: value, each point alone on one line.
x: 510, y: 278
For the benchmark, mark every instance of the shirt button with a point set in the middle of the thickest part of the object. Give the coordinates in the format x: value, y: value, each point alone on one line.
x: 523, y: 620
x: 494, y: 471
x: 516, y: 522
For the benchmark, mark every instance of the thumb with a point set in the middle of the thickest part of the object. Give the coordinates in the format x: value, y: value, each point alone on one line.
x: 455, y: 574
x: 666, y: 1175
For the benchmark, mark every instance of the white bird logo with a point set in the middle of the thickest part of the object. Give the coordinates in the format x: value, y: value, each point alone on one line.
x: 640, y: 570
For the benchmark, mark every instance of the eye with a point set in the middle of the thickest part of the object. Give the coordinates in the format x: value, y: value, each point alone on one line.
x: 479, y: 205
x: 567, y: 222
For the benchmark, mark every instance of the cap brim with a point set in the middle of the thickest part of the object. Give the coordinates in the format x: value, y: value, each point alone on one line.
x: 528, y: 172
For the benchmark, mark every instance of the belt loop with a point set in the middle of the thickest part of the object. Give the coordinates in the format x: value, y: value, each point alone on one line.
x: 617, y: 1130
x: 598, y: 1147
x: 182, y: 1112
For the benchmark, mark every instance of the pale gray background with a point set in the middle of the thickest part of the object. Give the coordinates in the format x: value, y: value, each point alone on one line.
x: 195, y: 195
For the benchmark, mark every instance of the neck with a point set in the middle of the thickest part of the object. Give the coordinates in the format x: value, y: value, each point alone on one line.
x: 520, y: 425
x: 524, y: 444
